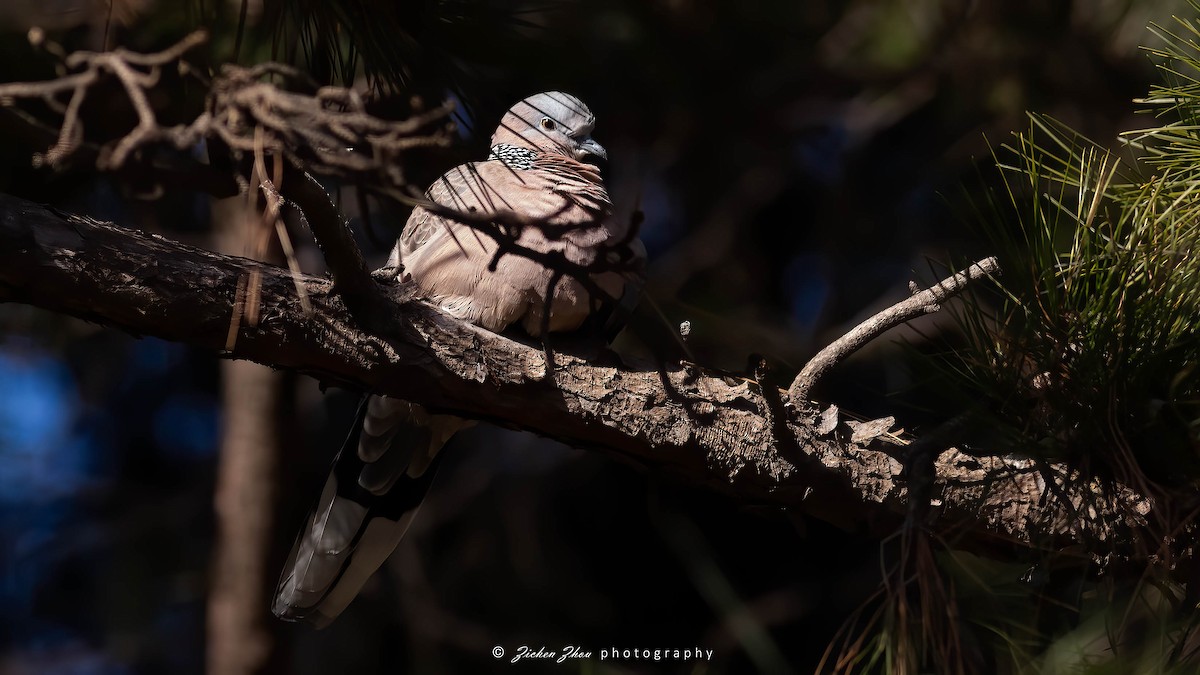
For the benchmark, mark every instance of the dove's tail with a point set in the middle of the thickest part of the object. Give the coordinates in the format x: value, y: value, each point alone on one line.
x: 378, y: 481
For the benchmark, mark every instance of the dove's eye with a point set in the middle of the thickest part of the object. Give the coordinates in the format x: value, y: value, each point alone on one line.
x: 548, y: 124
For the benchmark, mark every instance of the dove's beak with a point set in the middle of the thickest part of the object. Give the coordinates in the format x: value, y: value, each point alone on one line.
x: 587, y: 147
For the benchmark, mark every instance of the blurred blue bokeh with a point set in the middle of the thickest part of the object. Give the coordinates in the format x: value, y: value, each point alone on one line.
x: 61, y: 460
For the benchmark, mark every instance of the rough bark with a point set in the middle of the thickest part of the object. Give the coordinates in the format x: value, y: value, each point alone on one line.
x: 710, y: 429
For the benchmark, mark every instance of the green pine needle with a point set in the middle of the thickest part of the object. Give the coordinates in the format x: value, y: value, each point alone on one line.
x: 1090, y: 351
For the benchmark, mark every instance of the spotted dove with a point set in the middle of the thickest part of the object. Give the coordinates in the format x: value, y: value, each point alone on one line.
x: 538, y: 175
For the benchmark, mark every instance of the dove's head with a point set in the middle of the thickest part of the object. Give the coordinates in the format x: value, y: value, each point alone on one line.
x: 551, y: 122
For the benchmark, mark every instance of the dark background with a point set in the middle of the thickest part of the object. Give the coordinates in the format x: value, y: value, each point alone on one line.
x: 797, y: 163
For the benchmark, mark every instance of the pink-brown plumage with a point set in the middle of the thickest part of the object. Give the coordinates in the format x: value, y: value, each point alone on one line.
x: 449, y: 260
x: 536, y: 173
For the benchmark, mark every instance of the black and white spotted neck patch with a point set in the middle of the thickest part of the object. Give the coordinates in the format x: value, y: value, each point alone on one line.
x: 513, y: 156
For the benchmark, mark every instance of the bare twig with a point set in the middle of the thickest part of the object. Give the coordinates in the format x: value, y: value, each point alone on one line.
x: 924, y: 302
x: 285, y: 242
x: 126, y: 67
x: 351, y: 277
x: 325, y: 129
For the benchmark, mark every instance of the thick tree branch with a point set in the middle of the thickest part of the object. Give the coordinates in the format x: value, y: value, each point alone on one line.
x: 923, y: 302
x: 708, y: 429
